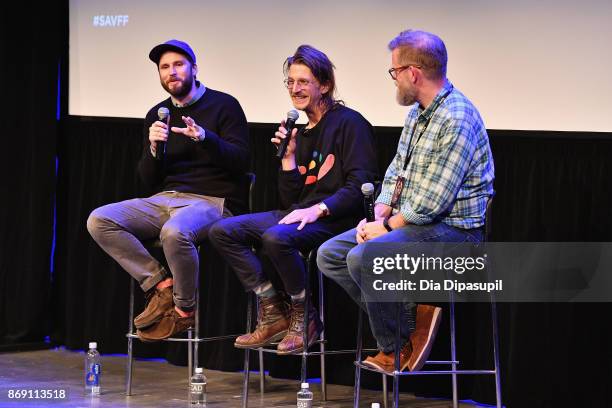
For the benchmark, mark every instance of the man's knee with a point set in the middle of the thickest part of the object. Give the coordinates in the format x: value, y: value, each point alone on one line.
x: 96, y: 222
x: 173, y: 233
x: 222, y: 231
x: 354, y: 260
x: 328, y: 257
x: 276, y: 238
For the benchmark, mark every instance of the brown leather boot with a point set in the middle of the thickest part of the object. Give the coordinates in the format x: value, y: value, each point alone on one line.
x: 386, y: 361
x: 422, y: 339
x: 293, y: 341
x: 158, y: 303
x: 272, y: 323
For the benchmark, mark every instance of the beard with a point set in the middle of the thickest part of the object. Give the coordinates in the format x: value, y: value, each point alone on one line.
x: 405, y: 96
x: 183, y: 88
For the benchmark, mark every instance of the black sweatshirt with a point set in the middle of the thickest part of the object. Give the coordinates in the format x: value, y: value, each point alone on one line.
x: 214, y: 167
x: 334, y: 159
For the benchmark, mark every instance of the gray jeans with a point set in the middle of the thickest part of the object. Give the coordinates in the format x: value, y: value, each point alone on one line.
x: 179, y: 220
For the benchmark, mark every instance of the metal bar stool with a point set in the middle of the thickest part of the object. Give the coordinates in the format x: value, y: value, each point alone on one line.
x: 193, y: 339
x: 311, y: 268
x: 453, y: 362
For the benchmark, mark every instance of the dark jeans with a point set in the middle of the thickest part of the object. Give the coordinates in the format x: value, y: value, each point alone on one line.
x: 340, y: 259
x: 235, y: 237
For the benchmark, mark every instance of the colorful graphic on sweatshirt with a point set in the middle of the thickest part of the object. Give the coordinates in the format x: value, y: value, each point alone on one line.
x: 317, y: 160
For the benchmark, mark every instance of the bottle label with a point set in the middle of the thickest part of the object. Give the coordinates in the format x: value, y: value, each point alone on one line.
x: 304, y: 403
x: 93, y: 376
x: 196, y: 387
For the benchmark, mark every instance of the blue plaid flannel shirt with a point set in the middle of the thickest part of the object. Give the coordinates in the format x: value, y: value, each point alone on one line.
x: 450, y: 174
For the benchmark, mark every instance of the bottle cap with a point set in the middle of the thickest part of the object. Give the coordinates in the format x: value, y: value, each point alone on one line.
x: 93, y: 345
x: 199, y: 370
x: 305, y: 385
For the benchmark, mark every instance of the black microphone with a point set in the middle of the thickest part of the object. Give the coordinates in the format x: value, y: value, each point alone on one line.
x: 164, y: 116
x: 367, y: 189
x: 292, y: 116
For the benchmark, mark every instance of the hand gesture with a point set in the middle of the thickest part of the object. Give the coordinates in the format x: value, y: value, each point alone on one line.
x: 192, y: 131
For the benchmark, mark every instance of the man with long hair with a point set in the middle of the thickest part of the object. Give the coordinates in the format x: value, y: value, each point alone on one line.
x: 319, y: 180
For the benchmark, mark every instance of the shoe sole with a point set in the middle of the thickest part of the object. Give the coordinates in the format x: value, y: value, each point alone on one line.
x: 301, y: 349
x: 433, y: 330
x: 380, y: 368
x: 148, y: 324
x: 277, y: 337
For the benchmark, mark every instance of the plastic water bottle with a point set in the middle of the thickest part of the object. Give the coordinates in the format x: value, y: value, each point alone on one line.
x: 304, y: 397
x: 197, y: 388
x: 93, y: 370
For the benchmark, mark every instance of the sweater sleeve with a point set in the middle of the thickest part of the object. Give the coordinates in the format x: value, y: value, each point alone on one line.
x: 359, y: 165
x: 149, y: 169
x: 230, y: 147
x: 290, y: 185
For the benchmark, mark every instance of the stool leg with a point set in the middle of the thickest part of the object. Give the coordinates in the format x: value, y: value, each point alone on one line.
x: 190, y: 353
x: 356, y: 389
x: 306, y: 319
x: 398, y: 347
x: 245, y: 382
x: 322, y: 338
x: 197, y: 327
x: 385, y: 391
x: 498, y: 396
x: 453, y: 350
x: 130, y: 360
x: 262, y: 374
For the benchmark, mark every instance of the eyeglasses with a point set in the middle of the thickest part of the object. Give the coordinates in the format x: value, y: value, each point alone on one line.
x: 302, y: 83
x: 394, y: 72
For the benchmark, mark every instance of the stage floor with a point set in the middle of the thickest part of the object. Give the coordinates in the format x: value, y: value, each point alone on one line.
x: 158, y: 384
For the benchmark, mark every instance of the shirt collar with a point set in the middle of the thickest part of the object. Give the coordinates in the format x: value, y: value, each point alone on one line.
x: 439, y: 98
x: 200, y: 90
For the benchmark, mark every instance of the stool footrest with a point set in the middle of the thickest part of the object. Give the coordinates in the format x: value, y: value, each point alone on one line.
x: 429, y: 372
x: 193, y: 340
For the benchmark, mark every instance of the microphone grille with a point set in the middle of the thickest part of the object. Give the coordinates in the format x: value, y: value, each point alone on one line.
x: 293, y: 114
x: 367, y: 189
x: 163, y: 112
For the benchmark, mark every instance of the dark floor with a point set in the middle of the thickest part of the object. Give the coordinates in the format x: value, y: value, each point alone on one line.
x: 157, y: 384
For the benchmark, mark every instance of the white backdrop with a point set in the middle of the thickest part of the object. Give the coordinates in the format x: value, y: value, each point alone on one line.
x: 526, y: 65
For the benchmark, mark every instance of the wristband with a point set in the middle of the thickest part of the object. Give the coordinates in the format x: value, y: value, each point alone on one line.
x: 386, y: 224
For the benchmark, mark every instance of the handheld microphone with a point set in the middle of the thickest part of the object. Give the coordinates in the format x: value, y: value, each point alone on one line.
x: 292, y: 116
x: 163, y: 114
x: 367, y: 189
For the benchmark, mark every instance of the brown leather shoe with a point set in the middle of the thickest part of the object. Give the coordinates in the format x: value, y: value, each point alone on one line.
x: 386, y: 362
x: 272, y: 323
x: 172, y: 323
x: 293, y: 341
x: 427, y: 323
x: 158, y: 303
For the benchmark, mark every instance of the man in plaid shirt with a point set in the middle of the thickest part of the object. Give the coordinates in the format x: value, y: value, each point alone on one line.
x: 435, y: 190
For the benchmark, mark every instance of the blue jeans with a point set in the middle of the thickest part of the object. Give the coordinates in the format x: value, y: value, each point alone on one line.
x: 340, y: 259
x: 235, y: 237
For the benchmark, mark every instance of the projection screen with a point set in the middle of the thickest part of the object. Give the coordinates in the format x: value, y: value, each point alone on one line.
x: 526, y: 65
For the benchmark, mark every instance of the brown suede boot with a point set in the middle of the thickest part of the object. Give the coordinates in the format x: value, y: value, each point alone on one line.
x: 272, y: 323
x: 293, y: 341
x: 158, y: 303
x: 172, y: 323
